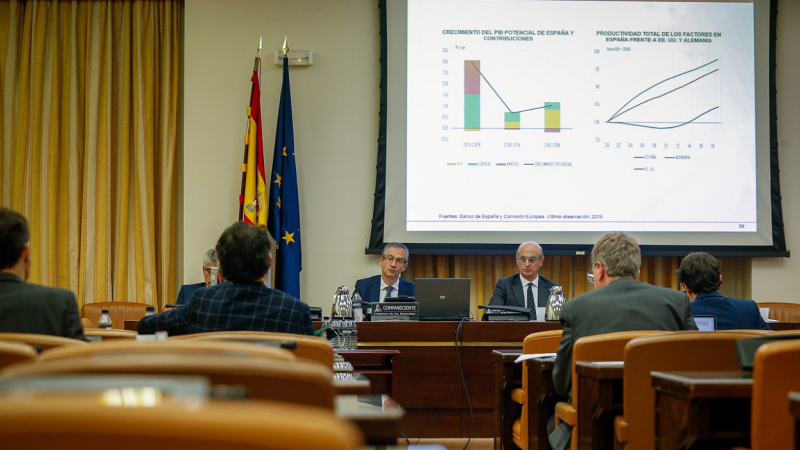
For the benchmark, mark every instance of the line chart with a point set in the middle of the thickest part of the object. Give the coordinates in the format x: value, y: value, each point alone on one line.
x: 671, y: 89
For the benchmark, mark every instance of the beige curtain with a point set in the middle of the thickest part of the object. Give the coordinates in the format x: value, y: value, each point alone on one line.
x: 569, y: 271
x: 90, y: 124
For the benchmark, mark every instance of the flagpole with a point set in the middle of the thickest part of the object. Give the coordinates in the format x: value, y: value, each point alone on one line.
x: 256, y: 67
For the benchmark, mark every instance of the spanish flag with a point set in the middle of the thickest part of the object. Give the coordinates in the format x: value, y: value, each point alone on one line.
x: 252, y: 205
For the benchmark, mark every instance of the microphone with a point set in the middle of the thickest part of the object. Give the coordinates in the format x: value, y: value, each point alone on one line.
x: 517, y: 313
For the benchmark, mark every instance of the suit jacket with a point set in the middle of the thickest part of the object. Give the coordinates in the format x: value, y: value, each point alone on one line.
x: 31, y: 308
x: 731, y: 313
x: 370, y: 288
x: 187, y: 291
x: 233, y: 306
x: 623, y: 305
x: 508, y: 291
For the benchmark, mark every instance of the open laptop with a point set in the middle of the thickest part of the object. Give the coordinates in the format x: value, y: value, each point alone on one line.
x: 706, y: 323
x: 442, y: 298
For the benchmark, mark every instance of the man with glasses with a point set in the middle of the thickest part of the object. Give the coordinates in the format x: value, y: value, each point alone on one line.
x: 526, y: 289
x: 394, y: 260
x: 619, y: 303
x: 210, y: 262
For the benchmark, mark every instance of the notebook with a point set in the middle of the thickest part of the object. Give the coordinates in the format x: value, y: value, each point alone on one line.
x: 442, y: 298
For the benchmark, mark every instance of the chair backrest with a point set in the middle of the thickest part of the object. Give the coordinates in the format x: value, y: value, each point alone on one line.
x: 601, y: 347
x: 118, y: 311
x: 775, y: 373
x: 13, y: 352
x: 77, y: 423
x: 86, y: 323
x: 313, y: 348
x: 112, y: 334
x: 680, y: 350
x: 43, y: 341
x: 297, y: 382
x: 782, y: 312
x: 127, y: 347
x: 541, y: 342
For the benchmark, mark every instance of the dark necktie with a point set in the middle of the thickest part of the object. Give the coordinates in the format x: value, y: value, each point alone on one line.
x: 531, y: 304
x: 389, y: 290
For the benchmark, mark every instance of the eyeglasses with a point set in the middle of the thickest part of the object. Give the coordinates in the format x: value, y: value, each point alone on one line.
x: 531, y: 259
x: 391, y: 259
x: 589, y: 274
x: 209, y: 269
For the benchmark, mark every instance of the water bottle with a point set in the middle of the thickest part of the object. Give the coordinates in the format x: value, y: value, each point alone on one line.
x: 336, y: 324
x: 347, y: 332
x: 150, y: 311
x: 326, y: 322
x: 354, y: 336
x: 358, y: 313
x: 105, y: 321
x: 554, y: 303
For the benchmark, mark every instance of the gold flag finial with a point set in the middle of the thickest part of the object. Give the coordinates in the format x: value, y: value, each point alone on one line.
x: 258, y: 51
x: 285, y: 46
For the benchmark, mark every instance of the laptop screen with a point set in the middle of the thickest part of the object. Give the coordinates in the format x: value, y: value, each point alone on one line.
x: 706, y: 323
x: 445, y: 298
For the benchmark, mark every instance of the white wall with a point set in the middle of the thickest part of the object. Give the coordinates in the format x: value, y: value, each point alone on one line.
x: 335, y: 104
x: 775, y: 279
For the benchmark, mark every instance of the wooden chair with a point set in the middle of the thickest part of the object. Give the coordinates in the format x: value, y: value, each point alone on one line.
x: 86, y: 323
x: 678, y: 351
x: 118, y: 311
x: 313, y: 348
x: 127, y: 347
x: 43, y: 341
x: 112, y: 334
x: 298, y: 382
x: 13, y: 352
x: 601, y: 347
x: 775, y: 372
x: 542, y: 342
x: 80, y: 422
x: 782, y: 312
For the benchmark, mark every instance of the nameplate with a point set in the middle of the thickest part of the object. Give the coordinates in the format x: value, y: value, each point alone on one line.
x: 395, y: 311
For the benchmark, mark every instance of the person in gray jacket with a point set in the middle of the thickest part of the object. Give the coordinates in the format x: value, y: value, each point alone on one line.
x: 619, y: 303
x: 26, y: 307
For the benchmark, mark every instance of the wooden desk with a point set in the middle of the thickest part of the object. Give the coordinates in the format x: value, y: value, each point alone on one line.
x: 794, y: 406
x: 542, y: 400
x: 132, y: 325
x: 600, y: 401
x: 377, y: 365
x: 699, y: 410
x: 507, y: 377
x: 428, y: 382
x: 378, y: 416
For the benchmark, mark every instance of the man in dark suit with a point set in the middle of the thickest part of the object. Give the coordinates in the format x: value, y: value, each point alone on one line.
x: 701, y: 276
x: 244, y: 303
x: 25, y: 307
x: 210, y: 263
x: 526, y: 289
x: 394, y: 260
x: 619, y: 303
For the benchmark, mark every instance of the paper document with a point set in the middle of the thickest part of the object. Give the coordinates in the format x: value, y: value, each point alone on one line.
x: 528, y: 356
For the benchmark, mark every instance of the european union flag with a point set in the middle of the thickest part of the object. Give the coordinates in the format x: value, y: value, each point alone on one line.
x: 284, y: 214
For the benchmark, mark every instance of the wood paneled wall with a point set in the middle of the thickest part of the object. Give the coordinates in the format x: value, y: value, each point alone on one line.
x: 569, y: 271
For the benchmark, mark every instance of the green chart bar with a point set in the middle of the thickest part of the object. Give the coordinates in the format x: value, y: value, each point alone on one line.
x: 472, y: 95
x: 552, y: 117
x: 512, y: 120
